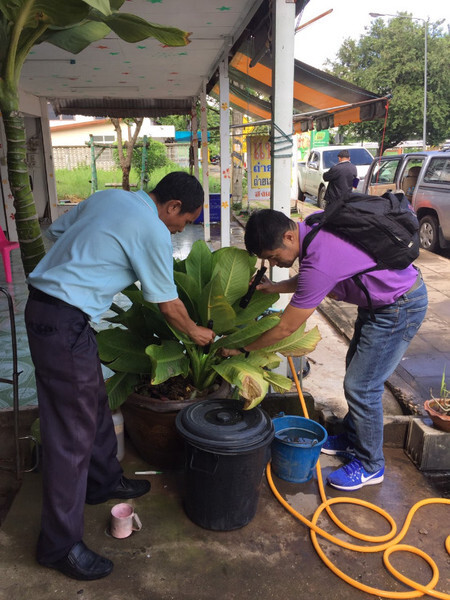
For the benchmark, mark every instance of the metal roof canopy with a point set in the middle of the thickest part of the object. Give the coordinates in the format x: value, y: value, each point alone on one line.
x: 321, y: 100
x: 114, y: 78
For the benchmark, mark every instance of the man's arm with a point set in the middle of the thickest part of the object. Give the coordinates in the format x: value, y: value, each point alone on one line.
x: 58, y: 227
x: 330, y: 174
x: 288, y: 286
x: 176, y: 314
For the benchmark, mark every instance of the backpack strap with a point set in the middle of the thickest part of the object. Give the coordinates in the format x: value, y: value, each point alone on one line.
x: 318, y: 220
x: 357, y: 280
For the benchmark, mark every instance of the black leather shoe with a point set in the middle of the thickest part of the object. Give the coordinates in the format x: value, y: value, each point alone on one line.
x: 127, y: 488
x: 81, y: 563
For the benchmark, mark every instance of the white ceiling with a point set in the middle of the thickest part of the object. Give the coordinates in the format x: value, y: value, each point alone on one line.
x: 146, y: 70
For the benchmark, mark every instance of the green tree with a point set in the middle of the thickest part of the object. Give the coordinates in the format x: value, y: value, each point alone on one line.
x: 156, y: 157
x: 71, y: 25
x: 390, y: 60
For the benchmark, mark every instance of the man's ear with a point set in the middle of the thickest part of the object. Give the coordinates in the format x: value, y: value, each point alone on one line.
x: 289, y: 236
x: 173, y: 206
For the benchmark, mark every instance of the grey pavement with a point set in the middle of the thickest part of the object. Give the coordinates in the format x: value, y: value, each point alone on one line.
x: 172, y: 558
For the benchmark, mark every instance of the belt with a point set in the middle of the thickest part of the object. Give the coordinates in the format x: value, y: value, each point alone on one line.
x: 41, y: 296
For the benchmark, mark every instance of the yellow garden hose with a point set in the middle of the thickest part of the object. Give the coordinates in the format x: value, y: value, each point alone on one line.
x: 388, y: 543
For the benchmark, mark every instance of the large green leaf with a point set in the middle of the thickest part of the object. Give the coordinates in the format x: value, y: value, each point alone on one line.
x: 122, y: 350
x: 232, y: 264
x: 168, y: 360
x: 132, y: 28
x: 199, y: 263
x: 76, y: 39
x: 259, y: 303
x: 298, y: 343
x: 214, y: 306
x: 189, y: 292
x: 119, y: 387
x: 247, y: 334
x: 249, y: 379
x: 61, y: 14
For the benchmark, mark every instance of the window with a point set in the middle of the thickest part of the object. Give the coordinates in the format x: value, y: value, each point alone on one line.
x: 438, y: 171
x: 384, y: 171
x: 104, y: 139
x: 358, y: 156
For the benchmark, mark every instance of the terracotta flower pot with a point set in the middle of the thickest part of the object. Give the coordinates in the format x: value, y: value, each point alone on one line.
x: 440, y: 419
x: 150, y: 425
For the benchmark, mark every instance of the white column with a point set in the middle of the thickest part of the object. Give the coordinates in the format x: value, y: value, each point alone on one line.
x: 205, y: 169
x: 225, y: 155
x: 48, y: 157
x: 194, y: 142
x: 283, y: 19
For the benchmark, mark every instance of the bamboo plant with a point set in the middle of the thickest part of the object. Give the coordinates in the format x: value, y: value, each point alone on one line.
x: 140, y: 342
x: 71, y: 25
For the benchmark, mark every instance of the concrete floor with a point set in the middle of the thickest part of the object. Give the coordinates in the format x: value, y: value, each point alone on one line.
x: 172, y: 558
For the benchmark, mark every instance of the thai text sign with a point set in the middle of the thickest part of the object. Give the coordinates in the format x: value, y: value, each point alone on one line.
x: 258, y: 148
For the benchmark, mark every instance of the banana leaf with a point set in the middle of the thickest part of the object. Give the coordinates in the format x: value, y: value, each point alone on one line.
x: 198, y: 264
x: 168, y: 360
x: 119, y: 387
x: 122, y: 350
x: 214, y: 306
x: 234, y: 267
x: 298, y: 343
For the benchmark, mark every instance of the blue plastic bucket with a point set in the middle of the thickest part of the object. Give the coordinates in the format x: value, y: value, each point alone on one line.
x: 296, y: 447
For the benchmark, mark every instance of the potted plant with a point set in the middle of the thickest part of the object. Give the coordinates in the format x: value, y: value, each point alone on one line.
x: 158, y: 369
x: 439, y: 408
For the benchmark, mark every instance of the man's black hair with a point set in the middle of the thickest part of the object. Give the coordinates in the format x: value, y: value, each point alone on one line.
x: 180, y: 186
x: 344, y: 154
x: 265, y: 229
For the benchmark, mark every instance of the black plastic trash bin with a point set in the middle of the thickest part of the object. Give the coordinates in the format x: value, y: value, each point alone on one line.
x: 227, y: 450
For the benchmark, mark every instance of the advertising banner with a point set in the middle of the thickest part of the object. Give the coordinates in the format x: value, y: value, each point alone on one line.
x: 258, y: 156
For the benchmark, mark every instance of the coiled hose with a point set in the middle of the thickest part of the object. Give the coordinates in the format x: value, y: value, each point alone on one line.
x: 388, y: 543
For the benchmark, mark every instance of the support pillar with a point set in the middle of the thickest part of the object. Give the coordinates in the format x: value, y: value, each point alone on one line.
x: 283, y: 18
x: 225, y: 155
x: 205, y: 169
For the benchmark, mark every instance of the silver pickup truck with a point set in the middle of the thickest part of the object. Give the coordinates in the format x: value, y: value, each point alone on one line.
x: 425, y: 179
x: 310, y: 173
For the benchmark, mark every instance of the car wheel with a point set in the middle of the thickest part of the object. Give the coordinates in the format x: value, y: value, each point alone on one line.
x: 301, y: 195
x: 429, y: 233
x: 321, y: 198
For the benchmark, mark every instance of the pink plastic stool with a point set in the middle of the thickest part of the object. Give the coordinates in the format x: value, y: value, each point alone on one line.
x: 5, y: 249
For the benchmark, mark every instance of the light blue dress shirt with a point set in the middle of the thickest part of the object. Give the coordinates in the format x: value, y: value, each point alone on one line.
x: 104, y: 244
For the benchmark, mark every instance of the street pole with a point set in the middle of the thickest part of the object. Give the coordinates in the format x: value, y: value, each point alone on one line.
x: 425, y: 78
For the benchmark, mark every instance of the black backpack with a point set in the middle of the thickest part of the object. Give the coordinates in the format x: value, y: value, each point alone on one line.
x: 385, y: 227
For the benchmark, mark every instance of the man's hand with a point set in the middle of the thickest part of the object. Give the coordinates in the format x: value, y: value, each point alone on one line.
x: 226, y: 352
x: 202, y: 336
x: 176, y: 314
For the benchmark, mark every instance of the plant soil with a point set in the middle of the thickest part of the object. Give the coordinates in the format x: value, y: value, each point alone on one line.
x: 176, y: 388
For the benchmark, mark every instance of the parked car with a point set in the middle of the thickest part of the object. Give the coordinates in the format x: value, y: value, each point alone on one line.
x: 425, y: 179
x: 310, y: 173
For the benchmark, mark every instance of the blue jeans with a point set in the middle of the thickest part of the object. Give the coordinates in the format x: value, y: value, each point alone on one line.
x: 373, y: 355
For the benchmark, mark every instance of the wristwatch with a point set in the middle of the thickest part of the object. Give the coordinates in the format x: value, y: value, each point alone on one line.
x: 244, y: 351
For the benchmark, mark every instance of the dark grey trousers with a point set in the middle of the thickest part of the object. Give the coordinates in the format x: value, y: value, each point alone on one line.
x: 78, y: 440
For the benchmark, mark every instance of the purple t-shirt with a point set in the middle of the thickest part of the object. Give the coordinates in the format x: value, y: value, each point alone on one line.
x: 328, y: 266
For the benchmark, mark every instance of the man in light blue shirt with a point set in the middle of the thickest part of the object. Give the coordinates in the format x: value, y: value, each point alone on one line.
x: 106, y: 243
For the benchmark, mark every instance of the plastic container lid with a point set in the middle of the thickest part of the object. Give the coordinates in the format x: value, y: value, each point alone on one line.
x: 222, y: 425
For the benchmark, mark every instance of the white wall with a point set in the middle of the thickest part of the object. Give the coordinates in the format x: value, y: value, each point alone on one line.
x: 65, y: 134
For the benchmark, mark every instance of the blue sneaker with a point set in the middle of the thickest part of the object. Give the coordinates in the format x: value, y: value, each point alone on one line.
x: 353, y: 476
x: 338, y: 445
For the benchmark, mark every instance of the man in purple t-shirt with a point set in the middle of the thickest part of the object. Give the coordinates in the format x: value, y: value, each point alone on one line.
x: 399, y: 299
